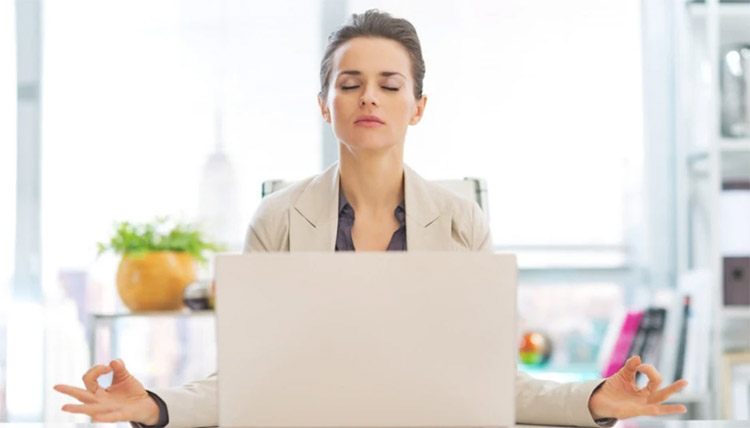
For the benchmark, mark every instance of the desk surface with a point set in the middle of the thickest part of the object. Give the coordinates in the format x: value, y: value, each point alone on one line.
x: 632, y: 423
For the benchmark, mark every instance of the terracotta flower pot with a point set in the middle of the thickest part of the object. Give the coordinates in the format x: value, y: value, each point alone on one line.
x: 155, y: 281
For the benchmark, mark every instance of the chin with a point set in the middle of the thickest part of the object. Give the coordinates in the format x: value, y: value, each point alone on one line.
x: 364, y: 141
x: 370, y: 145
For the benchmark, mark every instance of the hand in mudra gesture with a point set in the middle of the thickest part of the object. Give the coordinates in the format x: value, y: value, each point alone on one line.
x: 619, y: 397
x: 125, y: 400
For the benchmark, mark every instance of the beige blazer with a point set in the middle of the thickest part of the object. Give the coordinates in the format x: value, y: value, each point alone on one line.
x: 304, y: 217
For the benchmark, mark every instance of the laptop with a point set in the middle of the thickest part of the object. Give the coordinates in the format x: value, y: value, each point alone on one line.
x: 366, y: 339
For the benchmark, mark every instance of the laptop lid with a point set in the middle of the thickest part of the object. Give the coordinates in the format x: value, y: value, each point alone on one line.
x: 366, y: 339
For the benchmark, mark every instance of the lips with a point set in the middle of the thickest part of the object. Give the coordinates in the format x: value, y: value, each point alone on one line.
x: 369, y: 121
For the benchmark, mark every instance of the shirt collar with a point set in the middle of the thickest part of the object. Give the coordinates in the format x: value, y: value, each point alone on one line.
x: 400, y: 211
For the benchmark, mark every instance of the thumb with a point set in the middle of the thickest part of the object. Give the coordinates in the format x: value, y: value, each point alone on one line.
x: 119, y: 370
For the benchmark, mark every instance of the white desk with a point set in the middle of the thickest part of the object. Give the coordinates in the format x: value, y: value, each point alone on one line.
x: 632, y: 423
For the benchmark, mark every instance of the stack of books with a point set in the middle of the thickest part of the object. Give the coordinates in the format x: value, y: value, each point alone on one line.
x: 667, y: 337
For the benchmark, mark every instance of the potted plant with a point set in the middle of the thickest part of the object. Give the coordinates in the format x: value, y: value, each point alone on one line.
x: 158, y: 262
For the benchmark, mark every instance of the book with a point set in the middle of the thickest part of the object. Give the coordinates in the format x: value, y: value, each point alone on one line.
x: 682, y: 339
x: 650, y: 352
x: 624, y: 342
x: 674, y: 303
x: 639, y: 340
x: 698, y: 285
x: 735, y: 373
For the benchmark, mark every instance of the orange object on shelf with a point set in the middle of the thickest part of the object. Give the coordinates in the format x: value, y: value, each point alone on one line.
x: 156, y: 281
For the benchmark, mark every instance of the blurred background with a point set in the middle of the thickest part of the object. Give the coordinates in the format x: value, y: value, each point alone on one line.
x: 613, y: 138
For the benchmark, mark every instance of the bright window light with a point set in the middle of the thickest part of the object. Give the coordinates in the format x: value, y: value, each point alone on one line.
x: 543, y: 100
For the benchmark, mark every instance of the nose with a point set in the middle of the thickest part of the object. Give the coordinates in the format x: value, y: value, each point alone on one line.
x: 368, y: 96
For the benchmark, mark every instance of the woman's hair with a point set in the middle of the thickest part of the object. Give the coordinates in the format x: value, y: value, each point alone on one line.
x: 374, y: 23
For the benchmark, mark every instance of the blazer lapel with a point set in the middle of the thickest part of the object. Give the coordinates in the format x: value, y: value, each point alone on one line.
x: 426, y: 228
x: 313, y: 218
x: 313, y: 222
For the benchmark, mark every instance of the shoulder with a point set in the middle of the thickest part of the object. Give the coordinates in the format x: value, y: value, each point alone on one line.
x: 269, y: 227
x: 280, y: 201
x: 469, y: 227
x: 469, y: 224
x: 450, y: 202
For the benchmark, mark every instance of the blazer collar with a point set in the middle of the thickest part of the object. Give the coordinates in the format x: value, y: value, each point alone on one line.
x: 426, y: 228
x: 319, y: 201
x: 314, y: 218
x: 420, y: 204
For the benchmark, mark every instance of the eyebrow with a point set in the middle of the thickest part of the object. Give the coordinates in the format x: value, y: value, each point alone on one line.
x: 382, y: 73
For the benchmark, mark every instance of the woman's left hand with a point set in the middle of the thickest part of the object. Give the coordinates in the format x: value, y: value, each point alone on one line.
x: 620, y: 398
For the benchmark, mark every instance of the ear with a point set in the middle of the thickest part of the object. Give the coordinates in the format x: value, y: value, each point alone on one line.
x: 419, y: 110
x: 324, y: 111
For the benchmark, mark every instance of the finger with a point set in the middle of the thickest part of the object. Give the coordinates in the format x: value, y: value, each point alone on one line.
x: 663, y: 394
x: 671, y: 409
x: 120, y: 373
x: 630, y: 365
x: 89, y: 379
x: 86, y: 409
x: 82, y: 395
x: 654, y: 378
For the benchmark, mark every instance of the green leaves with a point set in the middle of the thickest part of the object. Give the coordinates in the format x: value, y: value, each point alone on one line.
x: 160, y: 235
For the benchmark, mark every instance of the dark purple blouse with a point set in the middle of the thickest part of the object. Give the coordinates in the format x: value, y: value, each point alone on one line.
x: 346, y: 221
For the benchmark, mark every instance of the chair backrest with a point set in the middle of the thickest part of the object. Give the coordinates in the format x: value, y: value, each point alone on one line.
x: 474, y: 189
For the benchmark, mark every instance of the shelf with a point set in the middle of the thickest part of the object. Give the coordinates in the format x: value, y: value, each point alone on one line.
x: 735, y: 160
x: 726, y: 10
x: 733, y: 19
x: 561, y: 374
x: 735, y: 165
x: 172, y: 314
x: 737, y: 312
x: 689, y: 397
x: 734, y: 145
x: 726, y: 145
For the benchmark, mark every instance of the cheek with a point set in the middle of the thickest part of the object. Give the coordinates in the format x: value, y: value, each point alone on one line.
x: 339, y: 106
x: 406, y: 108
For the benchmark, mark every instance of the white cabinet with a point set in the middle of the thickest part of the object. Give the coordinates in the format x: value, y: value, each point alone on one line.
x: 706, y: 161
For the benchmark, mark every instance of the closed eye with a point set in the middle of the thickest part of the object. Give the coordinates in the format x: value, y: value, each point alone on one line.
x: 346, y: 88
x: 388, y: 88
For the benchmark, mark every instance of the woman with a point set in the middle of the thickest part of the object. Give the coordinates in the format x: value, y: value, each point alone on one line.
x: 371, y: 91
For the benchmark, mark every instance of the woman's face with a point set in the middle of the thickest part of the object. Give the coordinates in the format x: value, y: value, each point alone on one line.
x: 371, y: 94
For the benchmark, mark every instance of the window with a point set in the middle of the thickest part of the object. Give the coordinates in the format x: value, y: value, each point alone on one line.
x: 137, y: 96
x: 543, y: 100
x: 7, y: 178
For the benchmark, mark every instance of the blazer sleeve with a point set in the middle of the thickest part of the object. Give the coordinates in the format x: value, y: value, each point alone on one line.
x: 541, y: 402
x: 481, y: 239
x: 191, y: 405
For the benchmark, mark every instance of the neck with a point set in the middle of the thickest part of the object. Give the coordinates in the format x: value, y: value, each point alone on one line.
x: 373, y: 182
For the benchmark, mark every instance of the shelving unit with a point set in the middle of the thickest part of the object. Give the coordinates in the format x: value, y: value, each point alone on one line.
x: 706, y: 160
x: 107, y: 322
x: 161, y: 349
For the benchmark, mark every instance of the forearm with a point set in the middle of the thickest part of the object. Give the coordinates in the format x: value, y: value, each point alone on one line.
x: 191, y: 405
x: 541, y: 402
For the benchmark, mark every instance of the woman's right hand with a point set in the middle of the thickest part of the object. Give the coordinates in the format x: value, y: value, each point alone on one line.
x: 125, y: 400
